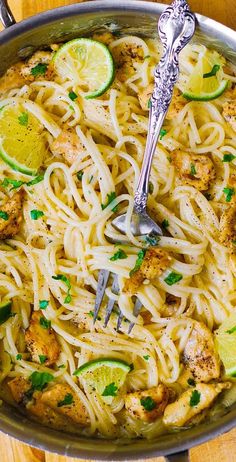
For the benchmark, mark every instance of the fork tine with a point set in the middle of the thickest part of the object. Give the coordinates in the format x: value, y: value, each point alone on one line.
x: 103, y: 277
x: 137, y: 308
x: 111, y: 302
x: 119, y: 320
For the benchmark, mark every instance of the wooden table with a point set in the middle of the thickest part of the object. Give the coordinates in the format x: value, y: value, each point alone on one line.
x: 222, y: 449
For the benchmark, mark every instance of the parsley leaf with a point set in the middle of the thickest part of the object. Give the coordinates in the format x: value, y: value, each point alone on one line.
x: 193, y: 170
x: 152, y: 239
x: 36, y: 214
x: 19, y: 356
x: 148, y: 403
x: 119, y: 255
x: 172, y: 278
x: 229, y: 192
x: 213, y: 71
x: 110, y: 390
x: 165, y: 224
x: 23, y: 119
x: 231, y: 331
x: 45, y: 323
x: 110, y: 197
x: 72, y: 95
x: 228, y: 157
x: 68, y: 399
x: 43, y: 304
x: 9, y: 181
x: 36, y: 180
x: 163, y: 132
x: 195, y: 398
x: 80, y: 175
x: 61, y: 366
x: 191, y: 382
x: 42, y: 359
x: 4, y: 215
x: 62, y: 277
x: 146, y: 357
x: 5, y: 312
x: 40, y: 69
x: 138, y: 262
x: 150, y: 187
x: 39, y: 380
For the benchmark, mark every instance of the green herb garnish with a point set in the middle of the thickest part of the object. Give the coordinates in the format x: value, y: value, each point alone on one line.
x: 192, y: 170
x: 19, y: 356
x: 110, y: 197
x: 149, y: 103
x: 45, y: 323
x: 148, y: 403
x: 80, y: 175
x: 228, y: 157
x: 150, y: 187
x: 229, y: 192
x: 72, y: 95
x: 213, y: 71
x: 163, y: 132
x: 231, y: 331
x: 42, y: 359
x: 43, y: 304
x: 39, y: 380
x: 172, y: 278
x: 66, y: 401
x: 36, y: 180
x: 36, y: 214
x: 119, y: 255
x: 152, y: 239
x: 165, y: 224
x: 4, y: 215
x: 195, y: 398
x: 110, y: 390
x: 23, y: 119
x: 62, y: 277
x: 40, y: 69
x: 146, y: 357
x: 191, y: 382
x: 139, y: 261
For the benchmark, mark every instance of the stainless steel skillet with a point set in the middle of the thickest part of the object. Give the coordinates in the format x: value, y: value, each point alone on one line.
x: 21, y: 40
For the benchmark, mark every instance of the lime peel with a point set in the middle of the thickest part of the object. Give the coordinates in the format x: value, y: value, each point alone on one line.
x: 207, y: 96
x: 225, y: 340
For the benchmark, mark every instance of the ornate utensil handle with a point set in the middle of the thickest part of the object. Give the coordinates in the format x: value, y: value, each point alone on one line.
x: 176, y: 27
x: 5, y: 14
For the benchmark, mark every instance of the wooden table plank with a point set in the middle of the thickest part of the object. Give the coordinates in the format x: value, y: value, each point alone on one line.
x: 223, y: 448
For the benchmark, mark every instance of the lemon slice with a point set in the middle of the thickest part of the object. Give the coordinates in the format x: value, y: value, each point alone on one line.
x: 88, y: 64
x: 206, y: 82
x: 225, y: 339
x: 105, y: 375
x: 22, y: 146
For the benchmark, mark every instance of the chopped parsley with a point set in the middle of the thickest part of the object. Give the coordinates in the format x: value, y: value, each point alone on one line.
x: 163, y: 132
x: 191, y: 382
x: 23, y: 119
x: 39, y: 380
x: 150, y: 187
x: 119, y: 255
x: 68, y: 399
x: 195, y: 398
x: 5, y: 312
x: 72, y: 95
x: 172, y: 278
x: 148, y: 403
x: 110, y: 197
x: 43, y: 304
x: 229, y: 192
x: 19, y: 356
x: 231, y: 331
x: 193, y: 170
x: 80, y: 175
x: 152, y: 239
x: 36, y: 180
x: 213, y: 71
x: 4, y: 215
x: 61, y: 366
x: 110, y: 390
x: 228, y: 157
x: 42, y: 359
x: 9, y: 181
x: 36, y: 214
x: 146, y: 357
x: 40, y: 69
x: 62, y: 277
x: 91, y: 313
x: 138, y: 262
x: 165, y: 224
x: 71, y: 108
x: 149, y: 103
x: 147, y: 56
x: 45, y: 323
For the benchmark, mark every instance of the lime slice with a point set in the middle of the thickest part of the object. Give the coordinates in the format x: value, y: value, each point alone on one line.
x: 105, y: 375
x: 88, y: 64
x: 5, y: 311
x: 21, y: 144
x: 206, y: 81
x: 225, y: 339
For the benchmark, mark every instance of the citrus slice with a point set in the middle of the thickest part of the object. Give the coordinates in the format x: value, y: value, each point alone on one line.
x: 225, y: 339
x: 206, y: 81
x: 5, y: 311
x: 22, y: 145
x: 105, y: 375
x: 88, y: 64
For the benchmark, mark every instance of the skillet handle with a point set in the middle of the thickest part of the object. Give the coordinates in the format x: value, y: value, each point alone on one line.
x: 6, y: 15
x: 179, y: 457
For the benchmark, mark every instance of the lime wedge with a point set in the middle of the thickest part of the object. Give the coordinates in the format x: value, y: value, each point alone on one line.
x: 88, y: 64
x: 207, y: 96
x: 105, y: 375
x: 225, y: 340
x: 5, y: 311
x: 22, y: 145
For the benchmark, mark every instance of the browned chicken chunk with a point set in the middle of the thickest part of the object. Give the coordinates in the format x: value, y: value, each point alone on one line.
x: 200, y: 355
x: 193, y: 170
x: 56, y: 398
x: 11, y: 215
x: 105, y: 37
x: 125, y: 55
x: 45, y: 414
x: 41, y: 341
x: 154, y: 263
x: 229, y: 113
x: 68, y: 146
x: 19, y: 386
x: 191, y: 403
x: 44, y: 70
x: 227, y: 230
x: 147, y: 405
x: 12, y: 79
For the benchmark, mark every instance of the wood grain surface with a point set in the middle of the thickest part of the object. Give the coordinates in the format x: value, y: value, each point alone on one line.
x: 223, y: 448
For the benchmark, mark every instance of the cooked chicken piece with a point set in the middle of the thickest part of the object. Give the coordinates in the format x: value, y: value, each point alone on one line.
x: 12, y: 209
x: 125, y: 55
x: 177, y: 104
x: 19, y: 386
x: 105, y: 37
x: 12, y: 78
x: 227, y: 230
x: 67, y: 145
x: 38, y: 58
x: 76, y: 411
x: 200, y: 355
x: 45, y: 414
x: 191, y: 403
x: 41, y: 341
x: 171, y: 305
x: 145, y: 95
x: 148, y: 405
x: 232, y: 181
x: 229, y: 113
x: 154, y: 263
x: 193, y: 170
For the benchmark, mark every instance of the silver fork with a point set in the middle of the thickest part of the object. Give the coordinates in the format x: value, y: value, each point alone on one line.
x: 176, y: 27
